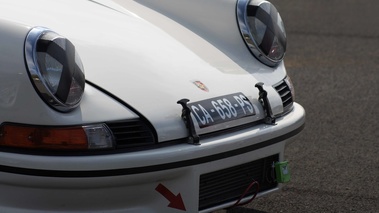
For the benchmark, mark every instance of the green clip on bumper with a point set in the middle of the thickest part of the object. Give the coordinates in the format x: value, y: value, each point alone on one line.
x: 282, y: 172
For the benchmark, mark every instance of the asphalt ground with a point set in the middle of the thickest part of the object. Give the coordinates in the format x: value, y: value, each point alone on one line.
x: 333, y: 60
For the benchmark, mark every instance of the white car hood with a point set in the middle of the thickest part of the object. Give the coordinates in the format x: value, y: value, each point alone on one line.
x: 136, y: 61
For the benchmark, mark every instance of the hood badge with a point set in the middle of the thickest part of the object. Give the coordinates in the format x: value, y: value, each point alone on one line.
x: 201, y: 86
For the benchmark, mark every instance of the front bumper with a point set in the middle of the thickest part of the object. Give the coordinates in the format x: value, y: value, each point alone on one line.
x: 128, y: 182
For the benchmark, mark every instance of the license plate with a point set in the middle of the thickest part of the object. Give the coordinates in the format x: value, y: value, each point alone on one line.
x: 221, y: 109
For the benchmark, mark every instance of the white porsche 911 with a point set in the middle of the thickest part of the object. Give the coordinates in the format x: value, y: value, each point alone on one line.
x: 142, y: 105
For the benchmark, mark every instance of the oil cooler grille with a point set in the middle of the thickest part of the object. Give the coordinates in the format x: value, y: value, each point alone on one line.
x: 228, y: 184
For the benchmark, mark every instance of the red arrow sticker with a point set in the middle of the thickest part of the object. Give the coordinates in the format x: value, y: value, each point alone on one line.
x: 176, y: 201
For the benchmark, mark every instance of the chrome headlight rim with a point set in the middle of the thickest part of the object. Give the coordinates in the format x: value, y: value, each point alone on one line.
x: 70, y: 74
x: 247, y: 32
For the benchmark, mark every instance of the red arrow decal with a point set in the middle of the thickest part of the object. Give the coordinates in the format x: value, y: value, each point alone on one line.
x: 176, y: 201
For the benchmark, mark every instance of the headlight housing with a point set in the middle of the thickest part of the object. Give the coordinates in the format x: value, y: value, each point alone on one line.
x: 55, y: 68
x: 263, y: 30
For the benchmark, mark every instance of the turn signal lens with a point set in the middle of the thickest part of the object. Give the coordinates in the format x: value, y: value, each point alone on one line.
x: 56, y: 138
x: 99, y: 137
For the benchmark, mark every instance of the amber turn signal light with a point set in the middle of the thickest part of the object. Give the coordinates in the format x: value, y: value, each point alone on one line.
x: 55, y: 138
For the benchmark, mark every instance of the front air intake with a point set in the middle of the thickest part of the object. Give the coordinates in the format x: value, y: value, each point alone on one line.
x: 285, y: 93
x: 131, y: 133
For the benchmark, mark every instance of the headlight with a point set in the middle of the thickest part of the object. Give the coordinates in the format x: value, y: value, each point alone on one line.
x: 55, y: 69
x: 262, y: 29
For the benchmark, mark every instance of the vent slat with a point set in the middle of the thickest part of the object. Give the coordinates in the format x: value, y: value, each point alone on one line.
x: 132, y: 133
x: 285, y: 94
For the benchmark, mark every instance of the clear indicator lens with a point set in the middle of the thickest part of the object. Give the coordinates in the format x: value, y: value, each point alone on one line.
x: 99, y: 137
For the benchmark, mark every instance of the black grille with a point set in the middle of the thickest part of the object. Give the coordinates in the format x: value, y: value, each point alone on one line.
x: 131, y: 133
x: 228, y: 184
x: 285, y: 93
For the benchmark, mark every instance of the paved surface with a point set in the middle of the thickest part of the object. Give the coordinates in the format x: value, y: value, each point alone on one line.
x: 333, y: 59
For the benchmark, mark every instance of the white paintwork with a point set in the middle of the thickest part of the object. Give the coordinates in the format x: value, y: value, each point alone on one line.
x: 147, y: 53
x: 121, y: 54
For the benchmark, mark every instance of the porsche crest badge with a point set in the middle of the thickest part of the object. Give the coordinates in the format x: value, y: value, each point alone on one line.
x: 201, y: 86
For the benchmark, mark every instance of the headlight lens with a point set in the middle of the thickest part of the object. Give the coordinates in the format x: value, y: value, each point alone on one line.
x: 55, y: 68
x: 262, y: 29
